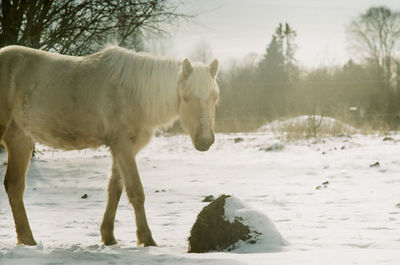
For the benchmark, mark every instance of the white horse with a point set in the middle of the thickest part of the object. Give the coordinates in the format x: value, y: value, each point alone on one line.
x: 115, y: 98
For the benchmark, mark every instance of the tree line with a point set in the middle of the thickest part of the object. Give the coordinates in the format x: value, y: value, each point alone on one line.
x: 366, y: 89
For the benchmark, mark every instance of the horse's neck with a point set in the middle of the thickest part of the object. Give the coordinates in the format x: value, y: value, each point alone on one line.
x: 166, y: 110
x: 162, y: 101
x: 153, y: 83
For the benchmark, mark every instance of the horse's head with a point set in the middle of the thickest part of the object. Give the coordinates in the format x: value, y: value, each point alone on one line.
x: 198, y: 94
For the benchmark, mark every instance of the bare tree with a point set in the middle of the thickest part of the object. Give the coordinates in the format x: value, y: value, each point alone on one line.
x: 375, y: 36
x: 81, y: 26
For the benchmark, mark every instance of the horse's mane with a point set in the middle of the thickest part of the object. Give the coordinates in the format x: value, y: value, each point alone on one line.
x: 152, y: 82
x: 149, y: 80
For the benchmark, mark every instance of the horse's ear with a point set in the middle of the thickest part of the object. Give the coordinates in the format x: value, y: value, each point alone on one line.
x: 187, y: 68
x: 214, y: 68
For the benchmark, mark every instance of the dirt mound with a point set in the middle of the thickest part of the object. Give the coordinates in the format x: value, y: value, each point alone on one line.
x: 227, y: 224
x: 212, y: 232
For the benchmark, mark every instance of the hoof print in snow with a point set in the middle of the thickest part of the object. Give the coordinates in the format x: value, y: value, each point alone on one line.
x: 323, y: 186
x: 227, y: 224
x: 208, y: 198
x: 376, y: 164
x: 273, y: 147
x: 238, y: 140
x: 84, y: 196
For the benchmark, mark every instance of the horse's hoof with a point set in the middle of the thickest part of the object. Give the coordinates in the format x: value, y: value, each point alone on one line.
x: 150, y: 244
x: 27, y: 242
x: 110, y: 241
x: 147, y: 243
x: 145, y: 238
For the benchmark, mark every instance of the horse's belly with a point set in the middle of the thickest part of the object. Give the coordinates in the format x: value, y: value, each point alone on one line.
x: 69, y: 140
x: 65, y: 135
x: 60, y: 116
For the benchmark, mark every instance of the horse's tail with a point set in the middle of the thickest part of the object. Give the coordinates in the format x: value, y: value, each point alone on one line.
x: 7, y: 61
x: 2, y: 103
x: 2, y: 130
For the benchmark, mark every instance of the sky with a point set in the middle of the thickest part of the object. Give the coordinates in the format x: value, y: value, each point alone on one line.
x: 235, y: 28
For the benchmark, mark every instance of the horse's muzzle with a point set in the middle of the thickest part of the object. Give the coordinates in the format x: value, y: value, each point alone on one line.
x: 203, y: 143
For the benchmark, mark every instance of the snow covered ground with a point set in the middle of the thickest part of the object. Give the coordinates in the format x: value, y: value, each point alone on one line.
x: 328, y: 198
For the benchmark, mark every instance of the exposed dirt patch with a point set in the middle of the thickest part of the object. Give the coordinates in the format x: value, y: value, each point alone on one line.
x: 212, y: 232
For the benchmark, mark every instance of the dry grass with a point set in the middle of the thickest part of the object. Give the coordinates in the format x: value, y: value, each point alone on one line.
x: 314, y: 127
x: 375, y: 127
x: 310, y: 127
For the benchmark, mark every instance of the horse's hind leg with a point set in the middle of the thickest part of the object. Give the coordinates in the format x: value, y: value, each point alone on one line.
x: 19, y: 149
x: 114, y: 194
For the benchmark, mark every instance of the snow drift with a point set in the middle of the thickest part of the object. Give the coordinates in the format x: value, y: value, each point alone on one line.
x: 264, y: 235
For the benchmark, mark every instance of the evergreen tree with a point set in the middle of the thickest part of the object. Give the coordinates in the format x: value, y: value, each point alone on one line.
x: 276, y: 71
x: 272, y: 66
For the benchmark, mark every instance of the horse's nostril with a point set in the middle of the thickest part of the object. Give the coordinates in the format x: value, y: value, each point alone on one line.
x: 210, y: 141
x: 204, y: 143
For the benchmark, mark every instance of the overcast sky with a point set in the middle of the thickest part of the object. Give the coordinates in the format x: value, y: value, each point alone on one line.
x: 235, y: 28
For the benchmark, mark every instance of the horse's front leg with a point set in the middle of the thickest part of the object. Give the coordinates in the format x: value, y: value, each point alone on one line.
x: 123, y: 155
x: 114, y: 194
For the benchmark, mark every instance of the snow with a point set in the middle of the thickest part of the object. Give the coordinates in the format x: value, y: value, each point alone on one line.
x: 262, y: 230
x: 352, y: 219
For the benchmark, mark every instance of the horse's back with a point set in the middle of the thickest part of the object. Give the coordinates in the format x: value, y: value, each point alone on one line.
x: 28, y: 70
x: 56, y: 99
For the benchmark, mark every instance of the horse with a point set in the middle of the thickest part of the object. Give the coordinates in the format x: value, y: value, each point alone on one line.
x: 115, y: 98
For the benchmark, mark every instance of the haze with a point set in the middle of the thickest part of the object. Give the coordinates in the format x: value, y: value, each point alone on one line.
x: 235, y: 28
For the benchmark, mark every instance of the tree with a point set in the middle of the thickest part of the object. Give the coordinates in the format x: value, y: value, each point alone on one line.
x: 80, y: 27
x: 375, y: 36
x: 286, y: 37
x: 272, y: 66
x: 277, y: 70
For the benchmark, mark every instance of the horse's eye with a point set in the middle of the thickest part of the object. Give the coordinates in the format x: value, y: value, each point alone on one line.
x: 186, y: 99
